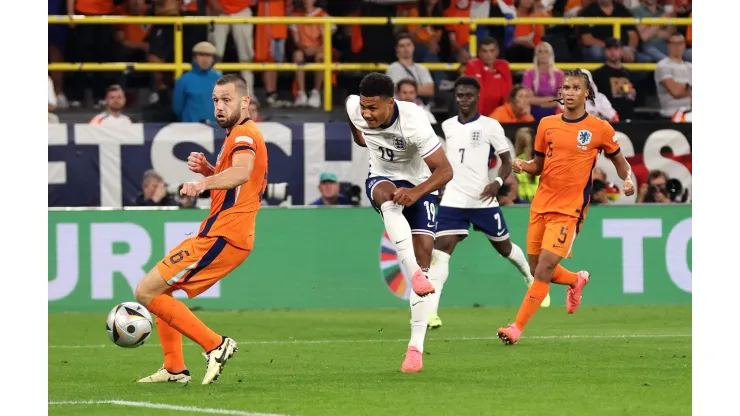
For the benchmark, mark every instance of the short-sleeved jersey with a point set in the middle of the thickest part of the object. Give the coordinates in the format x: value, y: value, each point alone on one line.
x: 469, y: 151
x: 398, y: 150
x: 234, y: 211
x: 570, y: 149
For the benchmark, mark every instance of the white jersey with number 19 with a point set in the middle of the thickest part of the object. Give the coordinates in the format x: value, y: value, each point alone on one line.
x: 397, y: 151
x: 468, y: 150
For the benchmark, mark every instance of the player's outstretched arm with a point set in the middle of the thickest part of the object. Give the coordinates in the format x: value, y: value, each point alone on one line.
x: 624, y: 170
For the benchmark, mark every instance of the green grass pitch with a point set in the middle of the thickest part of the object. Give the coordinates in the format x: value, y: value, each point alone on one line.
x: 626, y: 360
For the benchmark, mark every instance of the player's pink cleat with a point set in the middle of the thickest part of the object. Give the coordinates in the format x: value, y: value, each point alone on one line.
x: 413, y: 362
x: 421, y: 285
x: 573, y: 300
x: 509, y: 335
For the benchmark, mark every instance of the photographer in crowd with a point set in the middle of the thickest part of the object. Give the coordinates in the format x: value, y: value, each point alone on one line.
x: 329, y: 188
x: 661, y: 189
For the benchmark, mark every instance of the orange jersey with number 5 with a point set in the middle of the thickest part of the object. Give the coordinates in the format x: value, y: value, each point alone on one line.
x: 234, y: 211
x: 570, y: 149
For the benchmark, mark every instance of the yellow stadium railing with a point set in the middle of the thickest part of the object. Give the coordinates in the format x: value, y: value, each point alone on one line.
x: 178, y: 67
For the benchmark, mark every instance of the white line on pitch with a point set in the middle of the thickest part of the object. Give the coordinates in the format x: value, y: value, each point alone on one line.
x: 362, y: 341
x: 163, y: 406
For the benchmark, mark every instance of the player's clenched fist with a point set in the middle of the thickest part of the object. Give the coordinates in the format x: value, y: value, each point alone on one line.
x: 405, y: 196
x: 193, y: 188
x: 197, y: 163
x: 629, y: 187
x: 516, y: 166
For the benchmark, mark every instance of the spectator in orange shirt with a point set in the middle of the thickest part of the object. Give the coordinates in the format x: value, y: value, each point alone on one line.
x: 526, y: 36
x: 517, y: 109
x: 459, y: 34
x: 309, y: 41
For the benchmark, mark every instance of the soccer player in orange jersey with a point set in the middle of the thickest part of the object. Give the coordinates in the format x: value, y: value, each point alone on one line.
x: 225, y: 239
x: 566, y: 149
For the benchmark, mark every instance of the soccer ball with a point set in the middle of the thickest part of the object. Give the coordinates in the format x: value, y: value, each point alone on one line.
x: 129, y: 325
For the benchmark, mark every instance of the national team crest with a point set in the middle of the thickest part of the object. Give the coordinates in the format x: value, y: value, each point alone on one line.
x: 475, y: 137
x: 584, y: 137
x: 399, y: 143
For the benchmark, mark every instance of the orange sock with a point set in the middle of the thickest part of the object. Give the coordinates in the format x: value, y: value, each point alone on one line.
x: 181, y: 318
x: 563, y: 276
x: 532, y: 300
x: 171, y: 341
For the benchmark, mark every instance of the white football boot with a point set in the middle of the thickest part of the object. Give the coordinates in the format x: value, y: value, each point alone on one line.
x: 163, y: 376
x: 216, y: 359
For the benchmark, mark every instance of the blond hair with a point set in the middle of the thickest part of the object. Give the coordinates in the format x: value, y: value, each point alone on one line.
x: 550, y: 67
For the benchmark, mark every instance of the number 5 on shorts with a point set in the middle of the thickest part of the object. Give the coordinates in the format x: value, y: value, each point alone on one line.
x: 563, y: 235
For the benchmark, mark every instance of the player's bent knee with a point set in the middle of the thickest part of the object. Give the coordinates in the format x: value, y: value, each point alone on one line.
x: 151, y: 286
x: 383, y: 192
x: 503, y: 247
x: 446, y: 243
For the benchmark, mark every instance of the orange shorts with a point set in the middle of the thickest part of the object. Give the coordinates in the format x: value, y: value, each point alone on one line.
x: 199, y: 262
x: 553, y: 232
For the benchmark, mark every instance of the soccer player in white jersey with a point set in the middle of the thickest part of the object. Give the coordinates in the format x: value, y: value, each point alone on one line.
x: 469, y: 198
x: 404, y: 151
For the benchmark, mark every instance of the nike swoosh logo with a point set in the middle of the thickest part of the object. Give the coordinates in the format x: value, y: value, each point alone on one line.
x: 430, y: 225
x: 414, y: 304
x: 500, y: 232
x: 222, y: 358
x: 399, y: 242
x: 554, y: 246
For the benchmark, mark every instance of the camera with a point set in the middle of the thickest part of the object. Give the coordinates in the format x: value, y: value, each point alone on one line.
x: 672, y: 189
x: 676, y: 191
x: 352, y: 192
x: 276, y: 191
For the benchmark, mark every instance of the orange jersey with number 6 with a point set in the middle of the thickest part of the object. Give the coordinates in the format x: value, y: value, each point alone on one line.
x: 234, y: 211
x: 570, y: 149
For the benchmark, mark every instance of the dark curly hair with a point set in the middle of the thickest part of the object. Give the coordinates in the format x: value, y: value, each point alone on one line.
x: 578, y: 73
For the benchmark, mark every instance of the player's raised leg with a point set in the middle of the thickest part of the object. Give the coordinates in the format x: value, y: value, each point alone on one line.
x: 423, y: 245
x: 399, y: 231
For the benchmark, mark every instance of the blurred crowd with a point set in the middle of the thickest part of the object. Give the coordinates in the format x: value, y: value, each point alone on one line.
x: 513, y: 95
x: 506, y: 95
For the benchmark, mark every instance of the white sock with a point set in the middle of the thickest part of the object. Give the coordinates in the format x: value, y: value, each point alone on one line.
x: 516, y: 257
x: 399, y: 232
x: 438, y: 276
x: 419, y: 320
